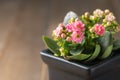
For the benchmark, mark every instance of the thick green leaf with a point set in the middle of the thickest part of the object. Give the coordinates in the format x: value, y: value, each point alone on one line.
x: 74, y: 52
x: 105, y: 40
x: 68, y: 16
x: 51, y: 44
x: 79, y: 57
x: 116, y: 44
x: 95, y: 54
x: 107, y: 52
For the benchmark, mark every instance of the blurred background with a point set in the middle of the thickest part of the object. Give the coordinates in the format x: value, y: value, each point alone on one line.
x: 23, y: 22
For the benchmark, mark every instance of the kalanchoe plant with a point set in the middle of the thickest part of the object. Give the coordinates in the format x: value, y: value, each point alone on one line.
x: 85, y: 38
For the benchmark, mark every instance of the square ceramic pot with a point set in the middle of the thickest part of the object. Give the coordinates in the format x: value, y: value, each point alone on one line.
x: 61, y: 69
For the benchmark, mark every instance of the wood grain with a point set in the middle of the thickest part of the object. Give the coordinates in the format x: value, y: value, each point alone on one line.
x: 22, y: 24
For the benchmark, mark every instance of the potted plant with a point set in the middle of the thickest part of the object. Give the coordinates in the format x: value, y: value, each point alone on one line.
x: 84, y: 48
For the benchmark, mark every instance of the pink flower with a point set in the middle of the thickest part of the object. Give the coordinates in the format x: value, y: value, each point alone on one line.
x: 79, y: 26
x: 98, y: 29
x: 58, y: 31
x: 68, y: 39
x: 77, y: 36
x: 69, y: 27
x: 75, y: 26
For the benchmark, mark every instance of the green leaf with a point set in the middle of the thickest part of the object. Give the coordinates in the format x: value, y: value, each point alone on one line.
x: 76, y: 51
x: 95, y: 54
x: 51, y: 44
x: 68, y: 16
x: 79, y: 57
x: 65, y: 45
x: 107, y: 52
x: 116, y: 44
x: 105, y: 40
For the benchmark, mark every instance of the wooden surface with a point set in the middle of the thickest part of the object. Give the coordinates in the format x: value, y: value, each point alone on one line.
x: 23, y: 22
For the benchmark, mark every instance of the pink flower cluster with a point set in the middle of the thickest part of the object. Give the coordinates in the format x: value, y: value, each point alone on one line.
x: 71, y: 32
x: 98, y: 29
x: 77, y: 36
x: 77, y: 29
x: 58, y: 31
x: 75, y: 26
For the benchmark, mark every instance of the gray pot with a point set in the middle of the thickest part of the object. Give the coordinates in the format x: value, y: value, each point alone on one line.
x: 61, y: 69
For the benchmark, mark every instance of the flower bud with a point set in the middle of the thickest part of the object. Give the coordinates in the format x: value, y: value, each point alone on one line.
x: 110, y: 17
x: 98, y: 13
x: 87, y: 14
x: 63, y: 51
x: 61, y: 25
x: 63, y: 35
x: 105, y: 25
x: 93, y: 35
x: 104, y: 20
x: 77, y: 19
x: 108, y: 23
x: 107, y: 11
x: 59, y: 44
x: 72, y: 20
x: 83, y: 16
x: 92, y: 29
x: 92, y: 17
x: 68, y: 39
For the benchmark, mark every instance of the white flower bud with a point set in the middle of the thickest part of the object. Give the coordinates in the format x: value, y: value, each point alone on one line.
x: 108, y: 23
x: 87, y: 14
x: 110, y: 17
x: 104, y: 20
x: 98, y: 13
x: 107, y: 11
x: 77, y: 19
x: 92, y: 17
